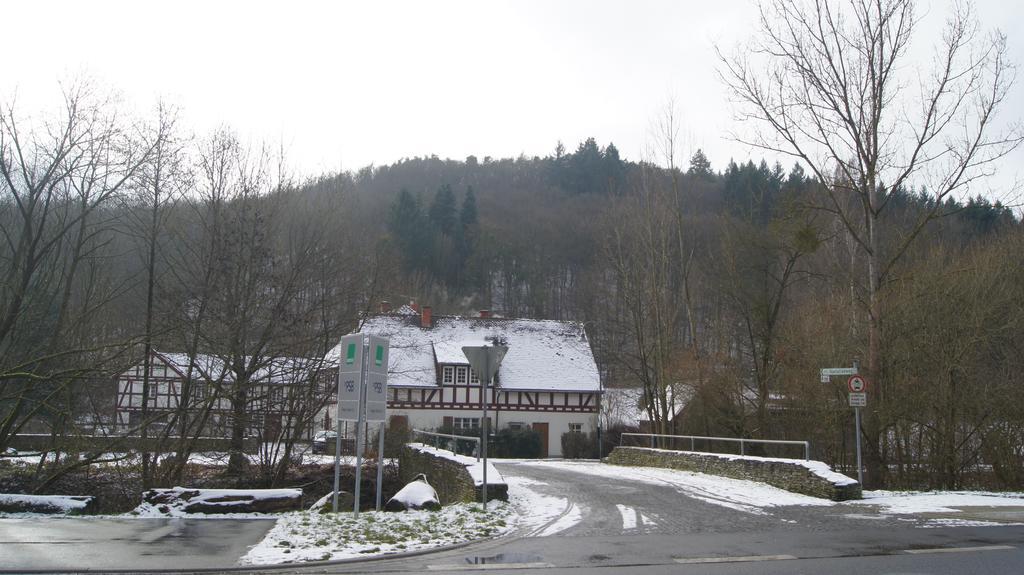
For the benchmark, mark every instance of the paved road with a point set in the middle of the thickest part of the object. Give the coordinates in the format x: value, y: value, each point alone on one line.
x: 633, y: 527
x: 78, y: 544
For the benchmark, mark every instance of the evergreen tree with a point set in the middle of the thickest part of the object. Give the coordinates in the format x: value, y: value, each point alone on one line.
x: 442, y: 211
x: 408, y: 228
x: 699, y: 165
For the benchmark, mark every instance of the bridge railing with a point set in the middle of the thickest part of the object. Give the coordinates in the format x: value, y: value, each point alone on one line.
x: 743, y: 442
x: 452, y: 443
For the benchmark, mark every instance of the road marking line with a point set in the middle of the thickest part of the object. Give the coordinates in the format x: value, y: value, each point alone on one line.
x: 628, y: 516
x: 960, y: 549
x: 472, y: 567
x: 746, y: 559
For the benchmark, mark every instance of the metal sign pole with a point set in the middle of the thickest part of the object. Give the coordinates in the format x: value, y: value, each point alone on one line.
x: 337, y: 448
x: 380, y: 464
x: 358, y: 450
x: 359, y: 430
x: 483, y: 443
x: 860, y: 470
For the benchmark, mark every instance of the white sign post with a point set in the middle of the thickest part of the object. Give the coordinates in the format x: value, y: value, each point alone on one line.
x: 858, y: 398
x: 485, y: 361
x: 377, y: 399
x: 350, y: 388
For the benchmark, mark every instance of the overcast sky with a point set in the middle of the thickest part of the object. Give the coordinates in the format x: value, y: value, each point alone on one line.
x: 346, y: 84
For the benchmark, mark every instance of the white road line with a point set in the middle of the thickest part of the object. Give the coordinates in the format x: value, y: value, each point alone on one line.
x: 628, y: 516
x: 746, y: 559
x: 960, y: 549
x: 471, y: 567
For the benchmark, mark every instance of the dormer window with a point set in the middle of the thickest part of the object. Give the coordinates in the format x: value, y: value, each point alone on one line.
x: 448, y: 375
x: 460, y: 375
x: 473, y: 378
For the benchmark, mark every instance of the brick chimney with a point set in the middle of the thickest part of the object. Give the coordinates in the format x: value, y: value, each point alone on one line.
x: 385, y: 307
x: 426, y: 317
x: 485, y: 313
x: 415, y: 306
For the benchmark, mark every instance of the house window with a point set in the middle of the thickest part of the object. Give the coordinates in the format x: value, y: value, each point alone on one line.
x: 200, y: 391
x: 152, y: 391
x: 473, y: 378
x: 461, y: 375
x: 465, y: 423
x: 448, y: 374
x: 517, y: 425
x: 276, y: 394
x: 575, y: 428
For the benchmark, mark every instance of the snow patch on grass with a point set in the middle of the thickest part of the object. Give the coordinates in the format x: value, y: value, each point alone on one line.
x: 912, y: 502
x: 305, y: 536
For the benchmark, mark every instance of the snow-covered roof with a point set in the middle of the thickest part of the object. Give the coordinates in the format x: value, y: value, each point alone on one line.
x: 626, y: 405
x: 542, y: 354
x: 278, y: 370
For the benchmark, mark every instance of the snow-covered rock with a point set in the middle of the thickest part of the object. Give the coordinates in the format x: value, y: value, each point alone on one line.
x: 417, y: 494
x: 181, y: 500
x: 51, y: 504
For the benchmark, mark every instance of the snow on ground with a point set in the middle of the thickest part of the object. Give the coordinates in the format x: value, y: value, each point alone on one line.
x: 305, y: 536
x: 913, y: 502
x: 537, y: 510
x: 819, y: 468
x: 60, y: 503
x: 475, y: 467
x: 748, y: 496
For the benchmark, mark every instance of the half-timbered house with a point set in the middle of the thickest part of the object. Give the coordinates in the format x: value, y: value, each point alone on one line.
x: 277, y: 393
x: 548, y: 380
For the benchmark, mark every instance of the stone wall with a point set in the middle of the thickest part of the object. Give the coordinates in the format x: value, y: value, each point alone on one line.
x: 788, y: 475
x: 449, y: 477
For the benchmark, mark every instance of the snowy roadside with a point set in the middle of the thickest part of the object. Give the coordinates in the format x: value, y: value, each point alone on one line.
x: 748, y: 496
x: 308, y: 536
x: 910, y: 502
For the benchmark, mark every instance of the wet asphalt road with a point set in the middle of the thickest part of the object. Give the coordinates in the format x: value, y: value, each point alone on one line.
x: 101, y: 544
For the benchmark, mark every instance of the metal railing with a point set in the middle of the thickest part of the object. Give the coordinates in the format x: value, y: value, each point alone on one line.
x: 743, y: 442
x: 456, y: 438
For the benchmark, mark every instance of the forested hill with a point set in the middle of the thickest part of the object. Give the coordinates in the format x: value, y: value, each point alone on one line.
x: 523, y: 236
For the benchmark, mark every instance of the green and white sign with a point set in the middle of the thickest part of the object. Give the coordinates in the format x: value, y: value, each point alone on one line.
x: 350, y: 372
x: 377, y: 380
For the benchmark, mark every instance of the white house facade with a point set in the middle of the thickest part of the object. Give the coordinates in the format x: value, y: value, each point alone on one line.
x: 548, y: 381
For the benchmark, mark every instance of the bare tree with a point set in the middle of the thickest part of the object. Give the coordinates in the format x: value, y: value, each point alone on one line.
x: 833, y: 86
x: 55, y: 176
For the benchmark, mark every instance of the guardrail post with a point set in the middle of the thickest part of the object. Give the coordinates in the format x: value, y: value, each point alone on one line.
x: 652, y: 442
x: 743, y: 450
x: 692, y: 444
x: 807, y: 450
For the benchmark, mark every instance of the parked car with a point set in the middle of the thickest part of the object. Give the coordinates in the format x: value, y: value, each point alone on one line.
x: 323, y: 441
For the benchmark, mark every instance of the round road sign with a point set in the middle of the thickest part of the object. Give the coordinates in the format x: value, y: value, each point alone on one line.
x: 857, y: 383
